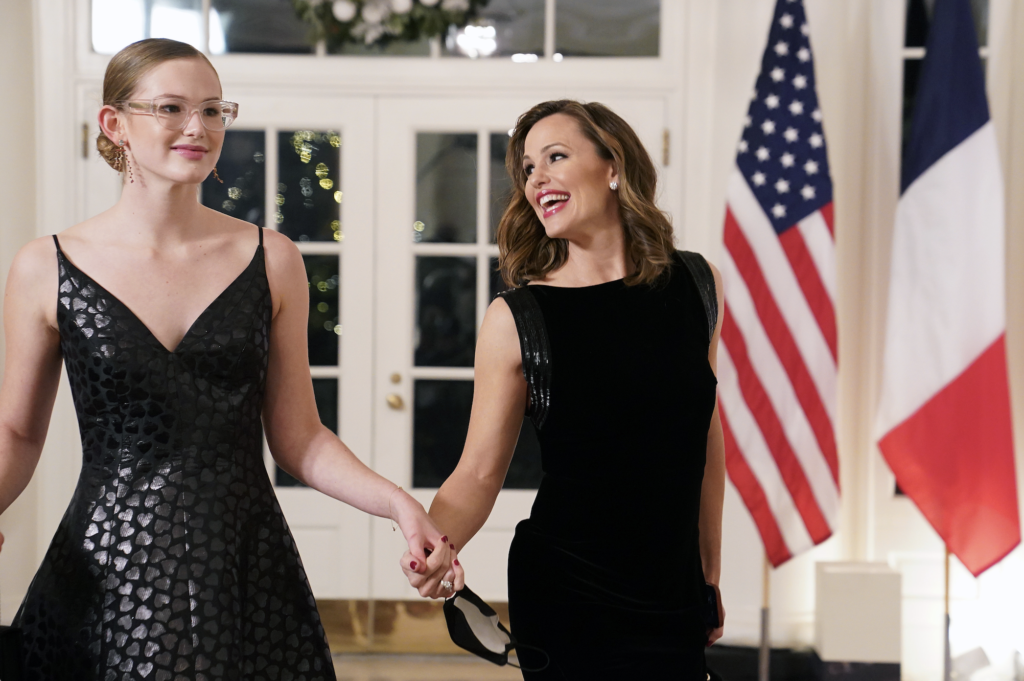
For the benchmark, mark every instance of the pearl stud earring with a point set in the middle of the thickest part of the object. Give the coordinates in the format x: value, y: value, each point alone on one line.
x: 614, y: 186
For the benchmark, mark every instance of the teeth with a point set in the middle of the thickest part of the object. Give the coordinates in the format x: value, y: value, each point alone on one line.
x: 545, y: 200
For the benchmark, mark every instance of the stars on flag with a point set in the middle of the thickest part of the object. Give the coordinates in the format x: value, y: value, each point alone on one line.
x: 782, y: 150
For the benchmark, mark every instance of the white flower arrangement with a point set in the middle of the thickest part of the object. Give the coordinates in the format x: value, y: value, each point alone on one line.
x: 378, y: 22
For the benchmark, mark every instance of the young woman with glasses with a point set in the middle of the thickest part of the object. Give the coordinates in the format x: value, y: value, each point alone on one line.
x: 183, y: 332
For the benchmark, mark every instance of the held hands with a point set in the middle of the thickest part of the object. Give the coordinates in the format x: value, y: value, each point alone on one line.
x: 431, y: 579
x: 427, y: 547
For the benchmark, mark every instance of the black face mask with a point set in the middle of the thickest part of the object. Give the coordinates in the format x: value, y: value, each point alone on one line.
x: 474, y: 626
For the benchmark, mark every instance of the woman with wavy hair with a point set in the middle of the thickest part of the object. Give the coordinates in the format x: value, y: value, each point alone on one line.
x: 607, y: 341
x: 183, y: 332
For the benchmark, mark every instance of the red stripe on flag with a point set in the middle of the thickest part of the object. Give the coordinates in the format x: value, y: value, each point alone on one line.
x: 807, y: 276
x: 954, y: 458
x: 753, y: 496
x: 771, y: 429
x: 782, y: 341
x: 827, y: 212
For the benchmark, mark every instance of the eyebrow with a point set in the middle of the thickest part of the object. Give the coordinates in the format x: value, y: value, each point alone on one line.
x: 207, y: 99
x: 553, y: 144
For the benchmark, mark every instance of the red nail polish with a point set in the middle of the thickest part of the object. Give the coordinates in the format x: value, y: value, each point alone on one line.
x: 444, y: 539
x: 412, y: 565
x: 456, y: 561
x: 452, y: 546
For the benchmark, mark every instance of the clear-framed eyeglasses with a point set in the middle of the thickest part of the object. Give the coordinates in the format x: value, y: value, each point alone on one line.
x: 174, y: 113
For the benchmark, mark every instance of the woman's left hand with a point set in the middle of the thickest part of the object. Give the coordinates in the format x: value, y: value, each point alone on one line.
x: 715, y: 634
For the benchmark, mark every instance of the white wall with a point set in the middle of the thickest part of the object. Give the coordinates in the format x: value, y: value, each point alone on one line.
x: 17, y: 226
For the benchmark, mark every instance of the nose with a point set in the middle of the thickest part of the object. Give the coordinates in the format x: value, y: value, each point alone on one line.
x: 194, y: 124
x: 538, y: 178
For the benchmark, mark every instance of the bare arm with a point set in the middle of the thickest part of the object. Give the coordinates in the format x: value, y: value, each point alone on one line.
x: 298, y: 441
x: 712, y: 493
x: 466, y: 498
x: 31, y: 367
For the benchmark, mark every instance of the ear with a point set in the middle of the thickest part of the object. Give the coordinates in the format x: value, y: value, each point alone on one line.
x: 613, y: 172
x: 112, y: 123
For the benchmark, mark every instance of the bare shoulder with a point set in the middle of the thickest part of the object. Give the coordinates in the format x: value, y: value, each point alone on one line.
x: 281, y: 252
x: 35, y: 263
x: 286, y: 272
x: 32, y: 281
x: 499, y: 338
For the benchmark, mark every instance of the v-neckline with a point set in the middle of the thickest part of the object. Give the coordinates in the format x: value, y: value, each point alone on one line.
x: 138, y: 319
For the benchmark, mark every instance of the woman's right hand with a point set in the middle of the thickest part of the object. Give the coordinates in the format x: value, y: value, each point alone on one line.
x: 429, y: 584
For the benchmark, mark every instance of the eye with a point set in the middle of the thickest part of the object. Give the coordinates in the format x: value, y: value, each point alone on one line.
x: 528, y: 170
x: 211, y: 112
x: 555, y: 155
x: 170, y: 108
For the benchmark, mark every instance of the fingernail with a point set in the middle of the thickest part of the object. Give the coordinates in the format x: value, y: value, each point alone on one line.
x: 412, y: 565
x: 452, y: 546
x: 444, y: 539
x: 456, y: 561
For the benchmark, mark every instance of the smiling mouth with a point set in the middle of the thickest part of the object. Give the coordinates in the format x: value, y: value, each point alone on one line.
x: 553, y: 202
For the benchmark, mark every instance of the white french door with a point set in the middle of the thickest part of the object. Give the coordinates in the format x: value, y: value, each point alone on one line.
x: 440, y: 190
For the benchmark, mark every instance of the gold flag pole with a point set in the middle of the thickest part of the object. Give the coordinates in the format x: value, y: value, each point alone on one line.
x: 764, y: 655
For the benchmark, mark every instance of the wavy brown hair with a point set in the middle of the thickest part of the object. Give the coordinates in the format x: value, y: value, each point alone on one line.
x: 526, y: 253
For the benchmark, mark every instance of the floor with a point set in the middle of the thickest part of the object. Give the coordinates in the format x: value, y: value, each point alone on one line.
x: 376, y: 667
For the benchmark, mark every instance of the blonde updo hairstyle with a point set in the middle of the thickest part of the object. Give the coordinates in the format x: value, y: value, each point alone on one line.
x: 526, y: 253
x: 126, y: 69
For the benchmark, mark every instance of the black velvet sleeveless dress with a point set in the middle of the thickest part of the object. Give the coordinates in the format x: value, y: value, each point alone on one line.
x: 605, y: 576
x: 173, y: 561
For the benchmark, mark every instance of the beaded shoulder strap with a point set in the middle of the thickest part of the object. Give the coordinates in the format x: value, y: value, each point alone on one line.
x: 705, y: 281
x: 535, y: 349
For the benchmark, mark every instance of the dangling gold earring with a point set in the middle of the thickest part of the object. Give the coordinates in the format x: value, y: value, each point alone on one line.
x: 122, y: 161
x: 216, y: 176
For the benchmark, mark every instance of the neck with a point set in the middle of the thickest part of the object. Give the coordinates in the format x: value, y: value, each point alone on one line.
x: 158, y: 213
x: 597, y: 257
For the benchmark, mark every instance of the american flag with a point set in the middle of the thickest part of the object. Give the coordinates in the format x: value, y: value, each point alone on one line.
x: 777, y: 358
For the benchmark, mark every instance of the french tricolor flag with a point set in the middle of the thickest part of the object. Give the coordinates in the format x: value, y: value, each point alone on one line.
x: 944, y: 419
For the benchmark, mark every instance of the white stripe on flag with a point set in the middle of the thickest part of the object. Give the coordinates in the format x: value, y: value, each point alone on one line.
x: 755, y: 452
x: 949, y: 222
x: 822, y: 249
x: 785, y: 290
x: 784, y: 402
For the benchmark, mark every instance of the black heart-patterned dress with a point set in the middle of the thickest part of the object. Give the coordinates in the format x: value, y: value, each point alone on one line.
x: 173, y: 561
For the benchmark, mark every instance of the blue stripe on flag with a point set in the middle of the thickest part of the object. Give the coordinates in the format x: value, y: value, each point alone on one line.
x: 951, y: 101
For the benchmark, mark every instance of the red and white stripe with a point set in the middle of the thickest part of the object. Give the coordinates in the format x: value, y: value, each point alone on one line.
x: 777, y: 372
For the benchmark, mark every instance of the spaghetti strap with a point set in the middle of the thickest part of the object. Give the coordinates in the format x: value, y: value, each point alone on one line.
x: 257, y: 226
x: 62, y: 252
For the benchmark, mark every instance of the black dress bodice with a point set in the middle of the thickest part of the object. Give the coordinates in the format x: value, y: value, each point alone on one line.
x: 173, y: 561
x: 606, y: 574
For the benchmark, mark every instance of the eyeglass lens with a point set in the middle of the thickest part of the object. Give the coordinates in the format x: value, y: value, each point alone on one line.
x: 173, y: 113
